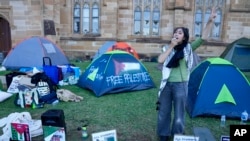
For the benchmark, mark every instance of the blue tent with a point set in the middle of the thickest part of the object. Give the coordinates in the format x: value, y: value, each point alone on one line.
x: 30, y: 53
x: 112, y: 45
x: 114, y: 72
x: 103, y: 48
x: 216, y: 87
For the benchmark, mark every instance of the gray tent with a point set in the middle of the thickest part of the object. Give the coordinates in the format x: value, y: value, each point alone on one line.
x: 238, y: 53
x: 30, y: 53
x: 103, y: 48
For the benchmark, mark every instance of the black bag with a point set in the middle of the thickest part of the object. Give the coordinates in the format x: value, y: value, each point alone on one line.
x: 45, y: 87
x: 42, y: 77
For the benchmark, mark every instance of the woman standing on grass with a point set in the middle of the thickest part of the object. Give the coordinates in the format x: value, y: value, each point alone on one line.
x: 177, y: 61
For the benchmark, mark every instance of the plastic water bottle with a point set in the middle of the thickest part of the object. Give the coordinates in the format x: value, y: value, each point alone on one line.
x: 84, y: 133
x: 223, y: 121
x: 244, y: 117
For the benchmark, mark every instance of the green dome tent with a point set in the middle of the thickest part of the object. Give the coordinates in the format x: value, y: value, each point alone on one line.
x: 216, y: 87
x: 238, y: 53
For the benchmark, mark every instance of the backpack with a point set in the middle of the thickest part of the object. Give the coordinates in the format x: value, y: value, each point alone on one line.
x: 46, y: 88
x: 41, y: 79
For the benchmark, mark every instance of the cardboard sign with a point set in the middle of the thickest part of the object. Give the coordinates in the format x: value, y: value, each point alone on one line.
x: 225, y: 138
x: 20, y: 132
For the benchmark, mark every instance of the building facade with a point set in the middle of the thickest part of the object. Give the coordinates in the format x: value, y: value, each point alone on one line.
x: 80, y: 27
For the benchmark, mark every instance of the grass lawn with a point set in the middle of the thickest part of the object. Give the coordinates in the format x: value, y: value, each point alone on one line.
x: 132, y: 114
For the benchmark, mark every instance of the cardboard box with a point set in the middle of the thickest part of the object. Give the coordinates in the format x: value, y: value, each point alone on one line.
x: 20, y: 132
x: 53, y: 133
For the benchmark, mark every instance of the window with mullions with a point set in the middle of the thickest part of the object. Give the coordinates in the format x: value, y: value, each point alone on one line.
x: 147, y: 17
x: 86, y: 16
x: 77, y: 17
x: 203, y: 9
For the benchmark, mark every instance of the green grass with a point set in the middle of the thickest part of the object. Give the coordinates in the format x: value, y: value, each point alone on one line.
x: 132, y: 114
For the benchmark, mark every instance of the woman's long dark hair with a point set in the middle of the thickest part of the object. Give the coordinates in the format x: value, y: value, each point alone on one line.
x: 179, y: 54
x: 186, y: 34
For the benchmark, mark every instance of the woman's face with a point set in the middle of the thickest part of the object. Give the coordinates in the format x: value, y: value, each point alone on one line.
x: 179, y: 35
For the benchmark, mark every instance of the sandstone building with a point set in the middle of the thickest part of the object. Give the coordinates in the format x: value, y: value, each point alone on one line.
x: 80, y: 27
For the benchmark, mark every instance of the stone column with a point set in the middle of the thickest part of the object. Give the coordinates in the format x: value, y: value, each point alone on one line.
x: 179, y: 13
x: 109, y: 19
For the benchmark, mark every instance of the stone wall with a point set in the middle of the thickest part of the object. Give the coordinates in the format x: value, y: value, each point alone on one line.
x: 26, y: 19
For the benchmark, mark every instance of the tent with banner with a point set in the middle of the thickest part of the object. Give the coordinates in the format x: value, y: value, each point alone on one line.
x: 217, y: 87
x: 30, y: 53
x: 114, y: 72
x: 113, y: 45
x: 238, y: 53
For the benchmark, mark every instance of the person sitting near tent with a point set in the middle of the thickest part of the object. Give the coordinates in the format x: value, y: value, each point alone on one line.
x: 177, y: 62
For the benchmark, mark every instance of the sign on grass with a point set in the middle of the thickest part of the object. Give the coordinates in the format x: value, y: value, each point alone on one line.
x: 105, y: 136
x: 225, y: 138
x: 185, y: 138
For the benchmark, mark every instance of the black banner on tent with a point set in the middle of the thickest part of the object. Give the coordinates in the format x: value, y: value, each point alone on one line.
x: 49, y: 27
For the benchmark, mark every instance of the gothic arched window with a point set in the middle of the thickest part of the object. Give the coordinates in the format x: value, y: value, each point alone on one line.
x: 203, y: 10
x: 198, y: 23
x: 95, y: 18
x: 137, y: 20
x: 77, y: 17
x: 86, y: 16
x: 147, y: 17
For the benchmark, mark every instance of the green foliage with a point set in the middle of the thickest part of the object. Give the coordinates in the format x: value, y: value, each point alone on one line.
x: 132, y: 114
